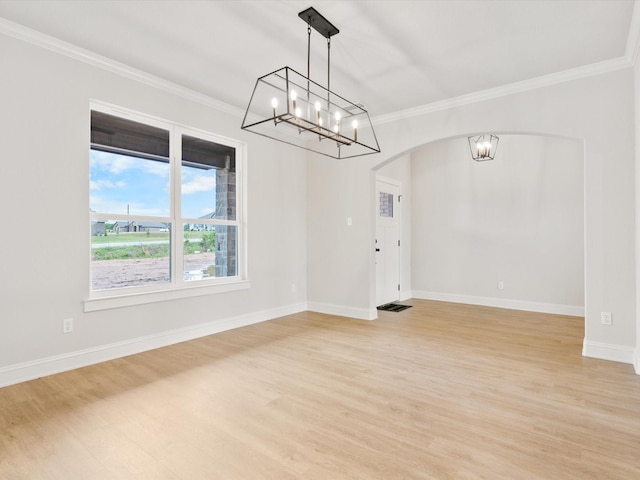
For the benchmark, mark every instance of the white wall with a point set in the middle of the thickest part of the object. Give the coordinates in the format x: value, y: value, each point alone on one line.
x: 517, y: 220
x: 597, y: 110
x: 44, y: 190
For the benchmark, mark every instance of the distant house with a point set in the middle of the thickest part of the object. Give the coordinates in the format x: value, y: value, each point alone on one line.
x: 126, y: 226
x: 98, y: 228
x: 203, y: 227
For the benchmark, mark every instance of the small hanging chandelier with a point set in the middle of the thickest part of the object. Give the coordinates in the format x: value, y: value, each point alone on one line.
x: 483, y: 147
x: 291, y: 108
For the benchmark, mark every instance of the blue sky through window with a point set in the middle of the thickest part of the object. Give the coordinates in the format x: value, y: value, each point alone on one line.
x: 121, y: 184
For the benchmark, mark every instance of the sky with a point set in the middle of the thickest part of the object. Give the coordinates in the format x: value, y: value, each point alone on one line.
x: 118, y: 182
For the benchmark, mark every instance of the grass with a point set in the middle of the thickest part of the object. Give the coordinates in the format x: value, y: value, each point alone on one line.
x: 130, y: 237
x: 131, y: 252
x: 133, y: 246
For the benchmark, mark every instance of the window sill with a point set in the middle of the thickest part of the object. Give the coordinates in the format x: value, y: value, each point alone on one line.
x: 141, y: 298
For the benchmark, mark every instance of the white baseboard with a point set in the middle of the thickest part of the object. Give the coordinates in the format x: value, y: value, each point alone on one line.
x: 577, y: 311
x: 636, y: 360
x: 608, y: 351
x: 342, y: 311
x: 23, y: 372
x: 406, y: 295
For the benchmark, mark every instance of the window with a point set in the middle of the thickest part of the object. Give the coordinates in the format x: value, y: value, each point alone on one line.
x: 165, y: 206
x: 386, y: 205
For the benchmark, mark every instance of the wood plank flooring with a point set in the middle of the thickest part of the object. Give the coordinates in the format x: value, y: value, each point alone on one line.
x: 438, y: 391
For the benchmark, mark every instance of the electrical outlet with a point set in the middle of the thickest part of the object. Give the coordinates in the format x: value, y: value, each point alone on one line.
x: 501, y: 285
x: 67, y: 325
x: 605, y: 318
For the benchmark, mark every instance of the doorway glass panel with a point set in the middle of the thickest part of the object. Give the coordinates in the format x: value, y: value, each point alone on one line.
x: 386, y: 205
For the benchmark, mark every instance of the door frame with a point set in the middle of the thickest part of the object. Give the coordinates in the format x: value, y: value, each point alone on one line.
x: 398, y: 221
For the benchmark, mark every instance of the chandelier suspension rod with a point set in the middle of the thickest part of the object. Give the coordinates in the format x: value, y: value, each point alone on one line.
x: 308, y: 59
x: 328, y: 80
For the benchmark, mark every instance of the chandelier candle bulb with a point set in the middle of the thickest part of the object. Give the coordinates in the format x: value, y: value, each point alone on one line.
x: 318, y: 119
x: 354, y: 124
x: 274, y: 104
x: 294, y: 96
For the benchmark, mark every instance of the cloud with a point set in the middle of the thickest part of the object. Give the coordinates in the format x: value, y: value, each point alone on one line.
x: 116, y: 164
x: 160, y: 169
x: 110, y: 162
x: 199, y: 184
x: 106, y: 205
x: 104, y: 183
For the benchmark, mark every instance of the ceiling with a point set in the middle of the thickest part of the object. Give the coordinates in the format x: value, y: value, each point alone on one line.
x: 389, y: 55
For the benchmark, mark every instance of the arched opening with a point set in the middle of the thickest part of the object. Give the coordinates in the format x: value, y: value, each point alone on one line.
x: 507, y: 233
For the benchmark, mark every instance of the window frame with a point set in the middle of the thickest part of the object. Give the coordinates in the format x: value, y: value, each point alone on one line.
x: 177, y: 287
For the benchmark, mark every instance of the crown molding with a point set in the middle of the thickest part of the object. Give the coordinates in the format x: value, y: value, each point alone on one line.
x: 628, y: 60
x: 48, y: 42
x: 505, y: 90
x: 53, y: 44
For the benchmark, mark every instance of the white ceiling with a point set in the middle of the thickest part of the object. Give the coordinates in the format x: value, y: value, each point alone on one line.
x: 389, y: 55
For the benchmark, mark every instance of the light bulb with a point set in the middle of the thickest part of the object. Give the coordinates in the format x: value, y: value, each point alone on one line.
x: 337, y: 115
x: 354, y: 124
x: 294, y: 95
x: 274, y: 102
x: 318, y: 106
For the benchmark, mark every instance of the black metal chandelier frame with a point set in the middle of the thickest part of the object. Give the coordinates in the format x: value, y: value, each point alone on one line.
x: 330, y: 123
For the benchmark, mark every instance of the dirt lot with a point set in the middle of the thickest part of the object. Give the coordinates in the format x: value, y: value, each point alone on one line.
x: 138, y: 272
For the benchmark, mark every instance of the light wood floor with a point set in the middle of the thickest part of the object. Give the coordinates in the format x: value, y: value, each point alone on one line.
x: 439, y: 391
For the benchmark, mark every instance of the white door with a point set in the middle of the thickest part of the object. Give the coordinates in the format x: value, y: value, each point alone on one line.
x: 387, y: 241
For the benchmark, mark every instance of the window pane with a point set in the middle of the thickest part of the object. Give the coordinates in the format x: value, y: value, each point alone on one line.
x: 129, y: 254
x: 208, y: 179
x: 124, y: 184
x: 386, y: 204
x: 210, y: 251
x: 199, y: 251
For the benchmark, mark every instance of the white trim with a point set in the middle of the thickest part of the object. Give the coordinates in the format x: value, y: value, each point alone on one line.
x: 405, y: 295
x: 140, y: 298
x: 53, y: 44
x: 23, y: 372
x: 608, y: 351
x: 343, y: 311
x: 389, y: 180
x: 505, y: 90
x: 525, y: 305
x: 636, y: 360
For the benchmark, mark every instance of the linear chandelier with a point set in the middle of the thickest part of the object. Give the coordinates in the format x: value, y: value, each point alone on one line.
x: 483, y: 147
x: 291, y: 108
